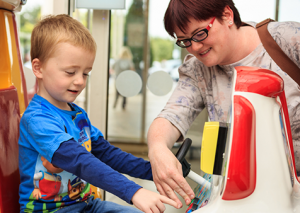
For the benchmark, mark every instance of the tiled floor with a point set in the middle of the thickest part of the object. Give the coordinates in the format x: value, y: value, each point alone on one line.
x: 195, y: 165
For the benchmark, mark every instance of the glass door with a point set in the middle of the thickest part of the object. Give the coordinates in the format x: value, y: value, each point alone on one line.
x: 154, y: 59
x: 139, y: 90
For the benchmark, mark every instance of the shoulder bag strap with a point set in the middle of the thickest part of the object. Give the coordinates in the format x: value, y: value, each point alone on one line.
x: 276, y: 53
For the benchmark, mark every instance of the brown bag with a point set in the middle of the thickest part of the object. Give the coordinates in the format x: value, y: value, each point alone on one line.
x: 280, y: 58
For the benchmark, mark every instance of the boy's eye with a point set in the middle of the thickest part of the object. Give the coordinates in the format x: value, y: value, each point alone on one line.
x: 70, y: 73
x: 85, y: 74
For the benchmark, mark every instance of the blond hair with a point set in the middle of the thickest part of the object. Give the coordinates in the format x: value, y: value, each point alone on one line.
x: 125, y: 53
x: 55, y: 29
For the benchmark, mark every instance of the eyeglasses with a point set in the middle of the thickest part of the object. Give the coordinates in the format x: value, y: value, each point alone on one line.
x: 197, y: 37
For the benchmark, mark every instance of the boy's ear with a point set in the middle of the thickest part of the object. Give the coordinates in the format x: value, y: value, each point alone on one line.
x: 36, y: 68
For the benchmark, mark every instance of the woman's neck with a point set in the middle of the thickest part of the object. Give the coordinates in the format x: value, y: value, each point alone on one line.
x: 247, y: 41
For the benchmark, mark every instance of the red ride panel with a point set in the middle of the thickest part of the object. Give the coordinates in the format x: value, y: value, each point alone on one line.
x: 241, y: 176
x: 9, y: 134
x: 260, y: 81
x: 266, y: 83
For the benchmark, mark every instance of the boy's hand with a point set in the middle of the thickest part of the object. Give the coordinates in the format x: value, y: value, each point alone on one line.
x: 36, y: 194
x: 151, y: 202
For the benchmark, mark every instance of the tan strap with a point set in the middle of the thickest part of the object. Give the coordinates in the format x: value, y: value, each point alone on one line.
x: 276, y: 53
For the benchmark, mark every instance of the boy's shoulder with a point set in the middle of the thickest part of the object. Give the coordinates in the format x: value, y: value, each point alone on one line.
x: 39, y: 108
x: 37, y: 105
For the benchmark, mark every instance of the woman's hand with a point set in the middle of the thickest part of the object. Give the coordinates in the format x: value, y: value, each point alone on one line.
x: 167, y: 175
x: 166, y: 169
x: 151, y: 202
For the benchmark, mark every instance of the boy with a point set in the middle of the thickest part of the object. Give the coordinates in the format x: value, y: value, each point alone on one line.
x: 60, y: 152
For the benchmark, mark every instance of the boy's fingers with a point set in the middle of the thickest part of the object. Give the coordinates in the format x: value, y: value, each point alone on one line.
x: 155, y: 209
x: 161, y: 207
x: 169, y: 201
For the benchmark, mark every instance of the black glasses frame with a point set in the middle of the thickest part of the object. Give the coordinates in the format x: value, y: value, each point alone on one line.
x: 178, y: 42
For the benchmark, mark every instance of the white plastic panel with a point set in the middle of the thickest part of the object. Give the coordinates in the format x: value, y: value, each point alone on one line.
x: 101, y: 4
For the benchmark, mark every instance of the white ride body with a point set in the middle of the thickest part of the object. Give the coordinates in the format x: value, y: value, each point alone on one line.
x: 277, y: 189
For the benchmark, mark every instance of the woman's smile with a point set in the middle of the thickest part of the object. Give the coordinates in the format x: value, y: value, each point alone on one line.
x: 205, y: 52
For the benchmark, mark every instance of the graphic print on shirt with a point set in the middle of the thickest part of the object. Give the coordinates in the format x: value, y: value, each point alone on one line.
x: 85, y: 134
x: 54, y: 187
x: 47, y: 184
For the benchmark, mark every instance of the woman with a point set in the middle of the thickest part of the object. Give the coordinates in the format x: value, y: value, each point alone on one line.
x: 213, y: 33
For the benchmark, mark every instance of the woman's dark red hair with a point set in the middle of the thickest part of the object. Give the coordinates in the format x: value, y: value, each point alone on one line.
x: 179, y: 12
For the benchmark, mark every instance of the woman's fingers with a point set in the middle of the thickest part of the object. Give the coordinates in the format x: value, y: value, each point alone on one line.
x: 183, y: 188
x: 178, y: 187
x: 174, y: 181
x: 167, y: 201
x: 167, y: 175
x: 169, y: 192
x: 160, y: 189
x: 163, y: 185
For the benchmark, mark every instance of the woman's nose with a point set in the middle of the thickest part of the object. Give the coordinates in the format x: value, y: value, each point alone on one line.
x: 195, y: 47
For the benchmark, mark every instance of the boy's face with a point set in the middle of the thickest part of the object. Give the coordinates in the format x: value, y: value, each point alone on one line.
x: 63, y: 76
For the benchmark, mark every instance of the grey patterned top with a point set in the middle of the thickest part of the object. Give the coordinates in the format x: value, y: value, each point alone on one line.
x: 200, y: 86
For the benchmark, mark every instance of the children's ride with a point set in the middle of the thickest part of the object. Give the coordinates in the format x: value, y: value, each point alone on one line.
x: 13, y: 101
x: 258, y: 173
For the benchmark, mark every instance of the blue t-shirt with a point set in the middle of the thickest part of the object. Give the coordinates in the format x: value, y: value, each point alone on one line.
x: 45, y: 131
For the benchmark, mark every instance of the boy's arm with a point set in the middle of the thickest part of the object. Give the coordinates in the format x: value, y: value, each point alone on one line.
x: 75, y: 159
x: 121, y: 161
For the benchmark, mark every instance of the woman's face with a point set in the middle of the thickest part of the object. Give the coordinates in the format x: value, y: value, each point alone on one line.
x: 216, y: 49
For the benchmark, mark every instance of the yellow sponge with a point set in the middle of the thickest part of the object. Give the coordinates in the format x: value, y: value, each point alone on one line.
x: 213, y: 147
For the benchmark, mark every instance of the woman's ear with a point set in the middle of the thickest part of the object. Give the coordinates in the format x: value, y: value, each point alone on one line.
x: 228, y: 14
x: 36, y: 68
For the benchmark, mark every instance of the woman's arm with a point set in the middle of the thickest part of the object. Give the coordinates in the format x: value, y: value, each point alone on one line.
x: 172, y: 124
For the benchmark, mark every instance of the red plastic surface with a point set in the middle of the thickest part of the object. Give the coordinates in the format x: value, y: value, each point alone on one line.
x: 9, y: 134
x: 267, y: 83
x: 288, y: 129
x: 259, y: 81
x: 241, y: 176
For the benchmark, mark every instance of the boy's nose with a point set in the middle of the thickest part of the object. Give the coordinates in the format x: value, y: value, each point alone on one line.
x: 79, y: 80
